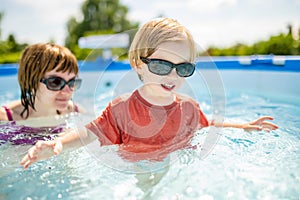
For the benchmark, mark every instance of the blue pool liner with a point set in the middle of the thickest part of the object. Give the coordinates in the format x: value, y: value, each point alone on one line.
x: 255, y: 62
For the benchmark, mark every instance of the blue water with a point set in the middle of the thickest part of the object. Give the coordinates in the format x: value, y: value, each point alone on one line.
x: 239, y: 164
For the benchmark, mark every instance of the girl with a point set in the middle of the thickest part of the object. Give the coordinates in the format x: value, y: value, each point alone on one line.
x: 48, y: 77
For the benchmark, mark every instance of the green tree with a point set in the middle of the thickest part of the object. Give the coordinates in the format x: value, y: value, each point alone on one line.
x: 99, y: 17
x: 281, y: 44
x: 10, y: 50
x: 12, y: 44
x: 1, y: 15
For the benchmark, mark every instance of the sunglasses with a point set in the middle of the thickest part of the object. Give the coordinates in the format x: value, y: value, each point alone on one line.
x: 57, y: 83
x: 164, y: 67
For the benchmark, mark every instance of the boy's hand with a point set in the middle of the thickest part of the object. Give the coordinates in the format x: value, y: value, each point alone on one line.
x: 260, y: 124
x: 41, y: 150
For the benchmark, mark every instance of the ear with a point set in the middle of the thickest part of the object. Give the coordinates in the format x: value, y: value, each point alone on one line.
x: 138, y: 69
x: 139, y: 72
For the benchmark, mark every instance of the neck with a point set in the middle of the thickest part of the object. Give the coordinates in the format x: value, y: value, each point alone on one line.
x: 43, y: 110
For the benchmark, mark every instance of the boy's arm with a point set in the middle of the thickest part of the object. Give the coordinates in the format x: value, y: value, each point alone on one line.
x: 74, y: 138
x: 45, y: 149
x: 256, y: 125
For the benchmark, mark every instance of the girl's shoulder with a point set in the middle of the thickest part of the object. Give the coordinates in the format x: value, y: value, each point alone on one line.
x: 13, y: 108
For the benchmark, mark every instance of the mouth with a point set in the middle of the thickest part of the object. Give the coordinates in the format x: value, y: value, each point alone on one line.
x: 62, y: 100
x: 168, y: 87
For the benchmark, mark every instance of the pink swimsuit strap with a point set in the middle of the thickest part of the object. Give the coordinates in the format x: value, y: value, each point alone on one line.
x: 76, y: 109
x: 8, y: 113
x: 10, y: 117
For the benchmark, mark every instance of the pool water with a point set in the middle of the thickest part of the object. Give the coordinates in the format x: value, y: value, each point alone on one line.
x: 242, y: 165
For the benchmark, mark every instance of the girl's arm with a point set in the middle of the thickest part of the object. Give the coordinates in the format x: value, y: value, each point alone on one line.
x: 256, y: 125
x: 45, y: 149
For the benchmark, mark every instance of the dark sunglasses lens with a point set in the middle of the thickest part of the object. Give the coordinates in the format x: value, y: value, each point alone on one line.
x: 159, y: 67
x: 71, y: 83
x: 55, y: 83
x: 185, y: 70
x: 74, y: 84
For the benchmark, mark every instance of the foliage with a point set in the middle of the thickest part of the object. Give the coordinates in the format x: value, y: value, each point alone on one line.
x: 10, y: 50
x: 109, y: 17
x: 10, y: 57
x: 99, y: 17
x: 282, y: 44
x: 10, y: 45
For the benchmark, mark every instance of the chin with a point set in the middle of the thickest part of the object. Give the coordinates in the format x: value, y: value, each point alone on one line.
x: 62, y: 106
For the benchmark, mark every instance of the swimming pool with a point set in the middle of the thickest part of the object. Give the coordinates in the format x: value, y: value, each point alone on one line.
x: 242, y: 165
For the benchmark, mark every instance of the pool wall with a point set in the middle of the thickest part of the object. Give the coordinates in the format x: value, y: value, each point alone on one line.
x: 263, y: 63
x: 270, y: 76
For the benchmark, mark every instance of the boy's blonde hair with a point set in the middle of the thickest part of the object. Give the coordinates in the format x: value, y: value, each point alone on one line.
x: 153, y: 34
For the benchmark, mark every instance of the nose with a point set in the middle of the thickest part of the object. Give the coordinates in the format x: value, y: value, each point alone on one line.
x: 67, y: 89
x: 173, y: 74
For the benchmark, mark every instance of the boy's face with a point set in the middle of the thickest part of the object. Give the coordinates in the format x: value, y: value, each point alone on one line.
x: 174, y: 52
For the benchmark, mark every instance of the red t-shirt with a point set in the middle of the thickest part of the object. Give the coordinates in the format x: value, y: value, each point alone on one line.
x: 148, y: 130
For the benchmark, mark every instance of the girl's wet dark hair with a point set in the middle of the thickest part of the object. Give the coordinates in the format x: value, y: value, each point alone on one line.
x: 36, y: 60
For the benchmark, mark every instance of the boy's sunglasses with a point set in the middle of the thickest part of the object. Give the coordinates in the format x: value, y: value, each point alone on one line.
x: 164, y: 67
x: 57, y: 83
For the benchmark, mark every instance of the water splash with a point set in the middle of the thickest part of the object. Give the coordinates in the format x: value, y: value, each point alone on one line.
x: 25, y: 135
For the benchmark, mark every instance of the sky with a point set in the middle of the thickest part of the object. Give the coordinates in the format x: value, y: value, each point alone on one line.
x: 212, y: 22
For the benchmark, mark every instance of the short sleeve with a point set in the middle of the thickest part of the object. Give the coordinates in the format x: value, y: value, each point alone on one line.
x: 203, y: 120
x: 105, y: 128
x: 192, y: 107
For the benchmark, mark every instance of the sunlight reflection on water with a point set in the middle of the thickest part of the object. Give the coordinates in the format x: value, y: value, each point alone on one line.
x: 243, y: 165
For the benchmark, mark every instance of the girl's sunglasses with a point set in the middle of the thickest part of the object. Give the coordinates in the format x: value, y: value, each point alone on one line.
x: 57, y: 83
x: 164, y: 67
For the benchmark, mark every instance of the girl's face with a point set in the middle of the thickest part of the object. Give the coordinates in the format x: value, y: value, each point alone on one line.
x: 58, y: 100
x: 174, y: 52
